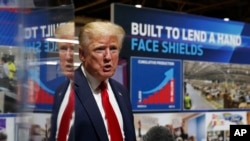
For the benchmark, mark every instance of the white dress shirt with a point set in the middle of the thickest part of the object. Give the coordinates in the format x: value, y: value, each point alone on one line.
x: 94, y: 84
x: 62, y: 109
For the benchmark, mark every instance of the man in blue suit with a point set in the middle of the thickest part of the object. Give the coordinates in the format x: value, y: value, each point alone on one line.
x: 100, y: 45
x: 64, y: 33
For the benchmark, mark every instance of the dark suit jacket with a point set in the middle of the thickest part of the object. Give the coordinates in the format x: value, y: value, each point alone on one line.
x: 58, y: 98
x: 89, y: 125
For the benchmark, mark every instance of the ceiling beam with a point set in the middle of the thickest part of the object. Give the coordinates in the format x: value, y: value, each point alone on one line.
x: 90, y: 5
x: 209, y: 6
x: 82, y: 20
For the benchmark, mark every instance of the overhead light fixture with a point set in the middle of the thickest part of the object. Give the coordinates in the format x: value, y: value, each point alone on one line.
x: 226, y: 19
x: 138, y: 6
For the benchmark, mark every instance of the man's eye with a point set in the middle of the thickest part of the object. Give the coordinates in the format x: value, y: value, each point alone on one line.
x: 99, y: 49
x: 63, y: 48
x: 114, y: 48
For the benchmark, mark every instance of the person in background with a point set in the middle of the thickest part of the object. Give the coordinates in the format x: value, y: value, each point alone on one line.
x: 100, y: 43
x: 158, y: 133
x: 191, y: 138
x: 170, y: 127
x: 180, y: 134
x: 139, y: 128
x: 66, y: 46
x: 5, y: 69
x: 4, y: 82
x: 187, y: 101
x: 12, y: 74
x: 12, y: 69
x: 65, y: 33
x: 3, y: 136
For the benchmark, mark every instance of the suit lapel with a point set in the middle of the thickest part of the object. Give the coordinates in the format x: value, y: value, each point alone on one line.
x: 61, y: 93
x: 125, y: 111
x: 86, y: 98
x: 119, y: 95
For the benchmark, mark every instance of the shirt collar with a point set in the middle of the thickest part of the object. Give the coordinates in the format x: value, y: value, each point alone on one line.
x: 93, y: 82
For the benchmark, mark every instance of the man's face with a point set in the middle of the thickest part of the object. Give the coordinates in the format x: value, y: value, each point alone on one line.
x: 66, y: 55
x: 100, y: 57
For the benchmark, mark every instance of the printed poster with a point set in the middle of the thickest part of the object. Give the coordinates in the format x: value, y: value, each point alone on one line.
x: 152, y: 91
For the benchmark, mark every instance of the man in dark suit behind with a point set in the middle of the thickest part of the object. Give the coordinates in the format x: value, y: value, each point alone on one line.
x: 100, y: 45
x: 65, y: 34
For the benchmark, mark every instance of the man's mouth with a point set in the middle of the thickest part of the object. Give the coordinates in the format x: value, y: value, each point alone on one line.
x: 107, y: 68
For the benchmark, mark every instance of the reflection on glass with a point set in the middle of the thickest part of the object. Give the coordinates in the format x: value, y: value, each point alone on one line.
x: 28, y: 63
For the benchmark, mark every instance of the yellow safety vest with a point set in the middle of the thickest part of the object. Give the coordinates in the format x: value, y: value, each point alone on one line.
x: 187, y: 102
x: 12, y: 70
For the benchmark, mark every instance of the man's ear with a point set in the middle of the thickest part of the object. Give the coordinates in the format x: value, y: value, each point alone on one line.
x: 81, y: 53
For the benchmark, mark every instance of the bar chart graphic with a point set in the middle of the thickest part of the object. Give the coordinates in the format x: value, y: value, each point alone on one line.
x: 161, y: 94
x: 155, y: 84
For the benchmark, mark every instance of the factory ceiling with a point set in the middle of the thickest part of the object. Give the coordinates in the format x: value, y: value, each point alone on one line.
x: 237, y: 10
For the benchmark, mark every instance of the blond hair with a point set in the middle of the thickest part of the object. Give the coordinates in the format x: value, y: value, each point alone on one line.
x: 100, y: 28
x: 65, y: 29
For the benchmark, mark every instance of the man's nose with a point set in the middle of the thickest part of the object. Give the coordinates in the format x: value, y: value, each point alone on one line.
x: 107, y: 54
x: 69, y: 53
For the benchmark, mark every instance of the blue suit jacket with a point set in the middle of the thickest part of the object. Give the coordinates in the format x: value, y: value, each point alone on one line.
x: 89, y: 125
x: 58, y: 98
